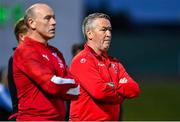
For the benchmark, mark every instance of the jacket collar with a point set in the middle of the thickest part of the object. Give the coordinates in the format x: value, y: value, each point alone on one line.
x: 33, y: 41
x: 101, y: 57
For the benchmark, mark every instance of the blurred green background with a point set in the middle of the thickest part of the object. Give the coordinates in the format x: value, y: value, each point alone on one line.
x: 159, y: 101
x: 151, y: 58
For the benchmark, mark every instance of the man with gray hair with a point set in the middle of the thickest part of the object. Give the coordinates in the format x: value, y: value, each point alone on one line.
x: 41, y: 76
x: 104, y: 82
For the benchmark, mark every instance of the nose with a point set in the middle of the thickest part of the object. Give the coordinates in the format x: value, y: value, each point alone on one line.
x: 108, y: 33
x: 53, y: 21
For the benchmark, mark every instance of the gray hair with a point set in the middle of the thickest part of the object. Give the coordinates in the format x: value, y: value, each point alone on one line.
x: 88, y: 21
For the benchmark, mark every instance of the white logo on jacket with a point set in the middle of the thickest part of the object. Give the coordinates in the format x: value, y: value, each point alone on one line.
x: 123, y: 80
x: 58, y: 59
x: 101, y: 64
x: 45, y: 56
x: 83, y: 60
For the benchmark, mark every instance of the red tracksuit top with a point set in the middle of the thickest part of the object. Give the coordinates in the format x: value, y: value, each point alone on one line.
x: 97, y: 100
x: 42, y: 81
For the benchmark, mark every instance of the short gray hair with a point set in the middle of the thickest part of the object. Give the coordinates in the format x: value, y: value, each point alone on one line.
x: 88, y: 21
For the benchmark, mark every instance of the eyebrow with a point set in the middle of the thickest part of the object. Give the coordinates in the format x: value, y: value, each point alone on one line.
x: 47, y: 16
x: 108, y: 28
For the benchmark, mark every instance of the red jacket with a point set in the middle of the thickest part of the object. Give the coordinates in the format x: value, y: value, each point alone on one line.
x: 104, y: 84
x: 42, y: 81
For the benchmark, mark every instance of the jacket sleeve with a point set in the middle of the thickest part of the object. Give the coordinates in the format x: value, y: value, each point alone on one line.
x: 126, y: 86
x: 30, y: 63
x: 86, y: 73
x: 72, y: 93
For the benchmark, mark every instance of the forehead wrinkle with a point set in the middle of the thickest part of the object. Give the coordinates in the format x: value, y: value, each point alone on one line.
x: 102, y: 24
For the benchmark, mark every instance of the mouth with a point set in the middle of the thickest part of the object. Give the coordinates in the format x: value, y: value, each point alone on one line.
x: 108, y: 41
x: 52, y: 30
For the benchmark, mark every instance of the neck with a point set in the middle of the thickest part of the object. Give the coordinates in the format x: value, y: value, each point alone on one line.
x: 94, y: 47
x: 38, y: 38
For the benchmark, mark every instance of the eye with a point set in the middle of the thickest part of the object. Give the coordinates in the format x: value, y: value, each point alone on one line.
x: 110, y: 29
x: 47, y: 17
x: 104, y: 29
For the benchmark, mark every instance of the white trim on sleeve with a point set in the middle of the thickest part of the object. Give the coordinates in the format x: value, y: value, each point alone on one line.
x: 74, y: 91
x: 59, y: 80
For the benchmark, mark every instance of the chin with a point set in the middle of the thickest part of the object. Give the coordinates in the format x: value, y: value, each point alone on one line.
x: 52, y: 36
x: 105, y: 49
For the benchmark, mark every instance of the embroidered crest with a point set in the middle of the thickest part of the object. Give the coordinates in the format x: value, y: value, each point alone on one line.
x: 115, y: 68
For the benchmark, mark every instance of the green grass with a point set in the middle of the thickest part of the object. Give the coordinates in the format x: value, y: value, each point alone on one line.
x: 156, y: 102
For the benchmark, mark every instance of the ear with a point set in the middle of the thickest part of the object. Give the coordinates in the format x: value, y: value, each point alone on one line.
x: 89, y: 34
x: 32, y: 23
x: 21, y: 37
